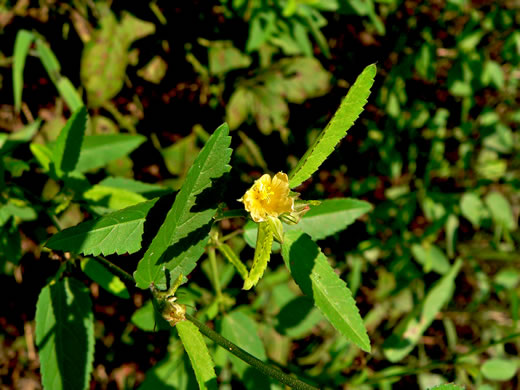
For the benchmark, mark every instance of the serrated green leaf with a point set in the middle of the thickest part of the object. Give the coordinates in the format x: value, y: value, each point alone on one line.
x: 181, y: 239
x: 22, y: 44
x: 198, y: 353
x: 411, y: 328
x: 329, y: 217
x: 119, y: 232
x: 67, y: 147
x: 349, y: 110
x: 99, y: 150
x: 317, y: 280
x: 264, y: 242
x: 65, y: 335
x: 101, y: 275
x: 497, y: 369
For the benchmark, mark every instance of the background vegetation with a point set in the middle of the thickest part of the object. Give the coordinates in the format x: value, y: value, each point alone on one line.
x: 433, y: 266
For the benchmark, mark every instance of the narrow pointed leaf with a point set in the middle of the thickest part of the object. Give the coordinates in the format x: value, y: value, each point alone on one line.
x: 410, y: 330
x: 232, y: 257
x: 65, y: 335
x: 317, y: 280
x: 349, y: 110
x: 22, y: 44
x: 198, y: 353
x: 181, y: 239
x: 119, y: 232
x: 68, y: 145
x: 264, y: 243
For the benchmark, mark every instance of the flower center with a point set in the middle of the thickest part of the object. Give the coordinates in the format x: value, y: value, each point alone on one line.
x: 265, y: 192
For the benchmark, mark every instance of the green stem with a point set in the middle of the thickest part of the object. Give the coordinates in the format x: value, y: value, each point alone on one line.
x: 248, y: 358
x: 223, y: 342
x: 116, y: 270
x: 214, y: 271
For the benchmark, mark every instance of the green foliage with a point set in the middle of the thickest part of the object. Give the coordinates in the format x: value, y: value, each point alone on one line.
x: 105, y: 57
x: 264, y: 242
x: 183, y: 235
x: 338, y: 126
x: 64, y: 313
x: 409, y: 330
x: 119, y: 232
x: 317, y: 280
x: 199, y: 355
x: 497, y: 369
x: 104, y: 278
x: 65, y: 154
x: 22, y: 44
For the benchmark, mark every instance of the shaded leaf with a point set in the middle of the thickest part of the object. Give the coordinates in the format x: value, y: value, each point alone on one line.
x: 67, y: 147
x: 181, y: 239
x: 65, y: 335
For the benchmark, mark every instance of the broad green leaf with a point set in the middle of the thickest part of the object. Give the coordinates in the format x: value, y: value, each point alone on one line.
x: 198, y: 353
x: 431, y: 258
x: 343, y: 119
x: 172, y: 373
x: 472, y: 208
x: 497, y: 369
x: 106, y: 279
x: 329, y: 217
x: 223, y: 57
x: 264, y: 242
x: 22, y: 44
x: 68, y: 145
x: 119, y: 232
x: 113, y: 198
x: 501, y: 211
x: 242, y: 330
x: 181, y: 239
x: 232, y: 257
x: 410, y: 329
x: 317, y: 280
x: 99, y: 150
x: 65, y: 335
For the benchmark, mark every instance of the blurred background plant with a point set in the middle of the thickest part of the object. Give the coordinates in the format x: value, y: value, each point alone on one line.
x: 435, y: 152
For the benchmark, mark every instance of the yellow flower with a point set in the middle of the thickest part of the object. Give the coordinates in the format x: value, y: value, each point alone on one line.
x: 268, y: 197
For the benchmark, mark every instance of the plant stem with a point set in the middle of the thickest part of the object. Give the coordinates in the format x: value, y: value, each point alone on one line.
x: 214, y: 272
x: 121, y: 273
x: 248, y: 358
x: 223, y: 342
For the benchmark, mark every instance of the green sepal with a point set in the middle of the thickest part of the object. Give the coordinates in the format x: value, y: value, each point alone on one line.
x: 276, y: 226
x: 264, y: 242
